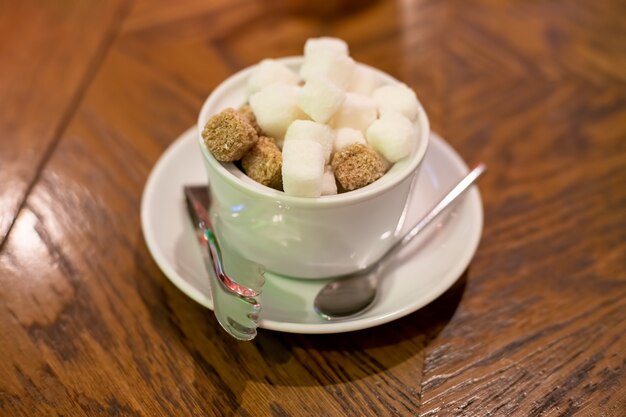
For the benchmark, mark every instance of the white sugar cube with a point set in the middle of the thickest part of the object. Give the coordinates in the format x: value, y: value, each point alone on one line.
x: 310, y: 130
x: 275, y: 108
x: 270, y: 71
x: 303, y: 168
x: 392, y: 135
x: 397, y: 98
x: 363, y: 81
x: 329, y: 185
x: 337, y: 67
x: 325, y: 45
x: 320, y: 98
x: 356, y: 112
x: 347, y: 136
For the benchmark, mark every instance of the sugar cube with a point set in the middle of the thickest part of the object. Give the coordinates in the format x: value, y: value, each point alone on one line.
x: 329, y: 185
x: 263, y: 163
x: 275, y: 108
x: 325, y: 45
x: 358, y: 165
x: 356, y: 112
x: 310, y: 130
x: 363, y: 81
x: 327, y: 57
x: 246, y: 112
x: 347, y: 136
x: 320, y: 98
x: 397, y: 98
x: 303, y: 168
x: 228, y: 135
x: 270, y: 71
x: 392, y: 135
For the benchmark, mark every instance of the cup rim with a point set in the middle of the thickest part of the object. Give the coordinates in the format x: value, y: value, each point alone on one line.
x: 228, y: 171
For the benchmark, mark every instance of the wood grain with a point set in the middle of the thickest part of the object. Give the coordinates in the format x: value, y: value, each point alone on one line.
x: 534, y: 327
x: 550, y: 297
x: 49, y: 52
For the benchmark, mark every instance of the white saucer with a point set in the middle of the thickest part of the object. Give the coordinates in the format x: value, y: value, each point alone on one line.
x: 423, y: 271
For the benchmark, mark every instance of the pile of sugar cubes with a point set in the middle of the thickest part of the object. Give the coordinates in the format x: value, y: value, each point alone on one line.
x: 333, y: 127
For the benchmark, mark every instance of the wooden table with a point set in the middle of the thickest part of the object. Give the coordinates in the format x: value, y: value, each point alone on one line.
x: 92, y: 93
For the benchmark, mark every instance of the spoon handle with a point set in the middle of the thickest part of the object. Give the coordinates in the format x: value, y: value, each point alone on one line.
x: 208, y: 241
x: 452, y: 195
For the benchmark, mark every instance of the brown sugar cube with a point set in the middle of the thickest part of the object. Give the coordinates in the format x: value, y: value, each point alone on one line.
x: 264, y: 163
x: 358, y: 165
x: 248, y: 114
x: 228, y: 135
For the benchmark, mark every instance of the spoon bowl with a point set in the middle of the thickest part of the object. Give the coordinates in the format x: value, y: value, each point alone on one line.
x: 354, y: 293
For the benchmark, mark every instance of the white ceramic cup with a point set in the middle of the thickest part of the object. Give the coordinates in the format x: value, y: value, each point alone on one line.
x: 299, y: 236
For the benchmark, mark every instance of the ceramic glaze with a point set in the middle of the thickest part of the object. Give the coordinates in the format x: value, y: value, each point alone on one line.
x: 307, y: 237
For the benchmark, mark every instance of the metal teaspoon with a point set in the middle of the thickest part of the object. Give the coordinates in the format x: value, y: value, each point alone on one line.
x: 353, y: 293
